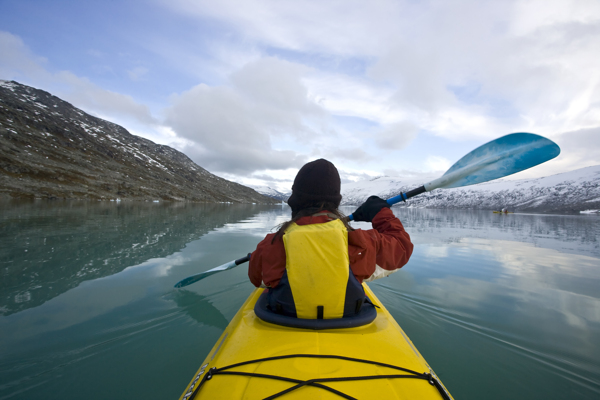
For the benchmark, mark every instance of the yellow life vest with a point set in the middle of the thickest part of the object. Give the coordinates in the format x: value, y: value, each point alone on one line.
x: 318, y: 268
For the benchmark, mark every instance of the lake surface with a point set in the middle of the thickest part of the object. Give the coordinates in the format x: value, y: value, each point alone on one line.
x: 501, y: 306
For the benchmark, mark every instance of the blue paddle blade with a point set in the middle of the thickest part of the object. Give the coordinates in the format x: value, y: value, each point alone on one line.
x: 496, y: 159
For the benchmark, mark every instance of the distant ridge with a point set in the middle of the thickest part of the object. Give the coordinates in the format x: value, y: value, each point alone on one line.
x: 569, y: 192
x: 270, y: 192
x: 50, y: 149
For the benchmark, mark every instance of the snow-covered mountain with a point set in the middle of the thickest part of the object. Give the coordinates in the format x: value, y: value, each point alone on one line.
x: 571, y: 192
x: 270, y: 192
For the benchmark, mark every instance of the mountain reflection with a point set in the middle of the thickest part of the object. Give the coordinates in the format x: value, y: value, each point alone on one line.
x: 200, y: 308
x: 573, y: 234
x: 48, y: 248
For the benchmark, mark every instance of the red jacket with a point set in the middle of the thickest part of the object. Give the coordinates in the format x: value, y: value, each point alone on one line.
x: 374, y: 253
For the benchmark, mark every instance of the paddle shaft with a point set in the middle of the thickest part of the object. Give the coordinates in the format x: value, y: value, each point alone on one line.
x: 195, y: 278
x: 406, y: 196
x: 401, y: 197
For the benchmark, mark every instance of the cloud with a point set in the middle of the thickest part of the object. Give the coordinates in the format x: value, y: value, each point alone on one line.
x: 234, y: 127
x: 470, y: 71
x: 396, y: 136
x: 19, y: 63
x: 466, y: 70
x: 137, y: 73
x: 582, y: 145
x: 270, y: 178
x: 340, y: 152
x: 579, y: 149
x: 336, y: 27
x: 437, y: 163
x: 412, y: 176
x: 354, y: 96
x: 90, y: 97
x: 275, y: 83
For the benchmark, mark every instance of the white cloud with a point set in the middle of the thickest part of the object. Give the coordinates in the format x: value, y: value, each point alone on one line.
x: 412, y: 177
x: 340, y: 27
x: 531, y: 15
x: 462, y: 70
x: 354, y: 96
x: 234, y: 127
x: 579, y: 149
x: 437, y: 163
x: 19, y: 63
x: 396, y: 136
x: 275, y: 83
x: 90, y: 97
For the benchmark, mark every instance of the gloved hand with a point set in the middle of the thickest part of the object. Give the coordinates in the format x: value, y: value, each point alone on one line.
x: 367, y: 211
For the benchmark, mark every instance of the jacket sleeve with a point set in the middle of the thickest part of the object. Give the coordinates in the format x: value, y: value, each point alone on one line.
x: 376, y: 253
x: 267, y: 262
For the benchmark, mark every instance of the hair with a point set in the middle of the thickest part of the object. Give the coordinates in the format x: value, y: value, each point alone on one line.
x: 308, y: 211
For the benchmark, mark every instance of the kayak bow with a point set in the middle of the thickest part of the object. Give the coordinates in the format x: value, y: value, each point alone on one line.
x: 254, y: 359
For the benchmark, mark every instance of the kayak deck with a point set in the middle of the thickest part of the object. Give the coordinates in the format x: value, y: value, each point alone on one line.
x: 376, y: 360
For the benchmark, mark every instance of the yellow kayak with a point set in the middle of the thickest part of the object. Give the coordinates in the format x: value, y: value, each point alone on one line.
x: 254, y: 359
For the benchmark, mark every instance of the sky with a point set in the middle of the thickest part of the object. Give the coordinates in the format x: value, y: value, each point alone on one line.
x: 252, y: 89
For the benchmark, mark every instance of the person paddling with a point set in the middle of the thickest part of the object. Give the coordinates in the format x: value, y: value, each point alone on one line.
x: 315, y: 263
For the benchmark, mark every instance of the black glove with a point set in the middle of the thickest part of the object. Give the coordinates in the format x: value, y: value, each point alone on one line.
x: 367, y: 211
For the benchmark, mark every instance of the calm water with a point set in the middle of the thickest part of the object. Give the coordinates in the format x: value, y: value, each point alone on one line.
x: 501, y: 306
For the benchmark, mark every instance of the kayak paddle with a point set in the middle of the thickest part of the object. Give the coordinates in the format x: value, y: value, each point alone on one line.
x: 501, y: 157
x: 195, y: 278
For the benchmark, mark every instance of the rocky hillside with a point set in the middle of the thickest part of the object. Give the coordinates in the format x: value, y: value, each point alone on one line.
x: 50, y: 149
x: 569, y: 192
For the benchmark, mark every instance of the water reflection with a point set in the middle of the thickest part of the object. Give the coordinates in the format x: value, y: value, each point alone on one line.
x: 573, y: 234
x: 200, y: 308
x: 48, y: 248
x: 501, y: 306
x: 521, y: 290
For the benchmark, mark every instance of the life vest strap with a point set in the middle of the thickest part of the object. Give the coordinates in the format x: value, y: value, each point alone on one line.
x: 320, y: 312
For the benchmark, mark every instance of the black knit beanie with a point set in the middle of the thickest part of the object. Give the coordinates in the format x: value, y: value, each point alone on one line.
x: 316, y: 182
